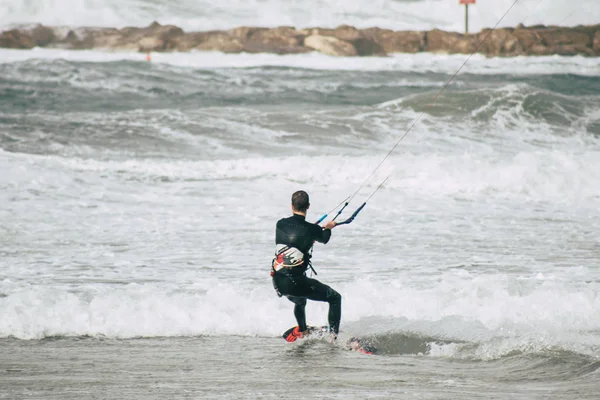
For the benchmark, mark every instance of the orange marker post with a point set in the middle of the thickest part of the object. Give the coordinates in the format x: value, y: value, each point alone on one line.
x: 148, y: 58
x: 466, y: 3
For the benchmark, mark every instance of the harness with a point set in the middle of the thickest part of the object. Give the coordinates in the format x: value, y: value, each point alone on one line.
x: 288, y: 257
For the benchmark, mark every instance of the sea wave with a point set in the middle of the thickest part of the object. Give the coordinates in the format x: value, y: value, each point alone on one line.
x: 392, y: 14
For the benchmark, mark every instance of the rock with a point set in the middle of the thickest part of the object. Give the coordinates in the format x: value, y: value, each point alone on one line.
x: 500, y: 42
x: 571, y: 50
x: 344, y: 40
x: 399, y: 41
x: 450, y: 42
x: 244, y: 32
x: 107, y: 39
x: 220, y: 41
x: 42, y: 35
x: 539, y: 50
x: 189, y: 41
x: 368, y: 47
x: 16, y: 39
x: 563, y: 36
x: 281, y: 40
x: 89, y: 38
x: 527, y: 38
x: 343, y: 32
x: 155, y: 37
x: 330, y: 45
x: 150, y: 44
x: 164, y: 37
x: 364, y: 41
x: 555, y: 40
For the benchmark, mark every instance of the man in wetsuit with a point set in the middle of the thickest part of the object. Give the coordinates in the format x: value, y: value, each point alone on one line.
x: 294, y: 238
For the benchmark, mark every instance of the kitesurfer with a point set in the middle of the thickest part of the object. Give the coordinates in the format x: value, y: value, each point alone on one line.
x: 294, y: 239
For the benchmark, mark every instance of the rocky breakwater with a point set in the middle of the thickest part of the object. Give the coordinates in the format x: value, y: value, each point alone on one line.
x: 341, y: 41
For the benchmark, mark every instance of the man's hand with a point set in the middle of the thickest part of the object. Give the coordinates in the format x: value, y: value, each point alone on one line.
x: 330, y: 225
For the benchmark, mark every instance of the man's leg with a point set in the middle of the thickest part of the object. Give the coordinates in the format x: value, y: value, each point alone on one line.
x: 299, y: 311
x: 288, y: 287
x: 312, y: 289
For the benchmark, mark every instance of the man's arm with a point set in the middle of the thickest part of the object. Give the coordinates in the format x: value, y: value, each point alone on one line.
x: 323, y: 234
x: 330, y: 225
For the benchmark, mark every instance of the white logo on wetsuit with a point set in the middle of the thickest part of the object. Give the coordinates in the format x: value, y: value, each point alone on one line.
x: 287, y: 257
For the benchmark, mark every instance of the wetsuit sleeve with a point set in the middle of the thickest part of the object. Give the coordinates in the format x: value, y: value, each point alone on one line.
x: 279, y: 236
x: 277, y: 230
x: 321, y: 235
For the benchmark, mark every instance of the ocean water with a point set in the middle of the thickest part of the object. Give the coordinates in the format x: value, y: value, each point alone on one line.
x: 201, y: 15
x: 139, y: 201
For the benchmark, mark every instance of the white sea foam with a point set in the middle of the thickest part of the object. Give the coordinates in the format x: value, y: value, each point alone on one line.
x: 424, y: 62
x: 538, y: 174
x: 513, y: 315
x: 207, y: 15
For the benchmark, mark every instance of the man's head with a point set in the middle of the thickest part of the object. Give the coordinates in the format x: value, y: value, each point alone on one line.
x: 300, y: 202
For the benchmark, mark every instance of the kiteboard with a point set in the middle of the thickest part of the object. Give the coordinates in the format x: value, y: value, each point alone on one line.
x: 323, y: 332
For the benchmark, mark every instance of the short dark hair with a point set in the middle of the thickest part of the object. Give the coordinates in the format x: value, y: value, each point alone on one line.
x: 300, y: 201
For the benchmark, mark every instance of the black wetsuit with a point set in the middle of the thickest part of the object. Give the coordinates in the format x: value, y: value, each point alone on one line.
x: 293, y: 282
